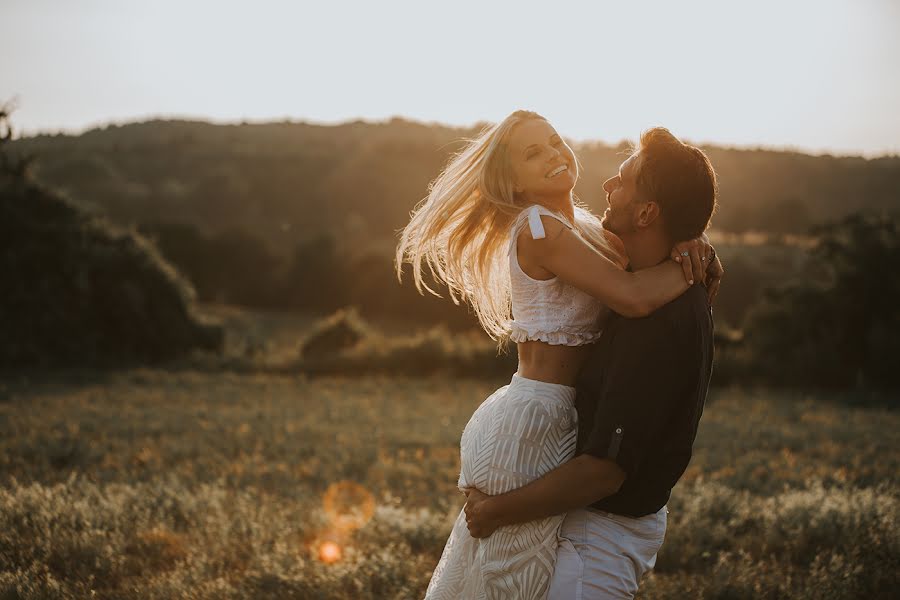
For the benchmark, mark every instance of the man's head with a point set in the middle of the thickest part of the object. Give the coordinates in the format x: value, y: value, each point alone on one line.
x: 664, y: 188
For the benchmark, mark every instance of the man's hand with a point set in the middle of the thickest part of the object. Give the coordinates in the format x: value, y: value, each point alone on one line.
x: 478, y: 518
x: 714, y: 278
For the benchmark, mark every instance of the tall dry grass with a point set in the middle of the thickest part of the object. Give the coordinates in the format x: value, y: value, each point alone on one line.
x: 149, y: 484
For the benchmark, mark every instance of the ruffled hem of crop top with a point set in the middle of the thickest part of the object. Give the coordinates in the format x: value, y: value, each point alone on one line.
x: 520, y: 333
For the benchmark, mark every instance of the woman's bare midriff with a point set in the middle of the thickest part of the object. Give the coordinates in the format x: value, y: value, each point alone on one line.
x: 551, y: 363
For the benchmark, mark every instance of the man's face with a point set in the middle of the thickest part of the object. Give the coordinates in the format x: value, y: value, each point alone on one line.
x: 621, y: 195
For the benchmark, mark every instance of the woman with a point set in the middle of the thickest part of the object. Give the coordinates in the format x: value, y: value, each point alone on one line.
x: 501, y: 228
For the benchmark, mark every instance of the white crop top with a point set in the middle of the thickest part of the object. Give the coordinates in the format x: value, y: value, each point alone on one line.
x: 549, y: 310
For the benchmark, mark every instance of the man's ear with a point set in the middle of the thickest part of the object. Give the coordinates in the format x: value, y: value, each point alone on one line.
x: 647, y: 214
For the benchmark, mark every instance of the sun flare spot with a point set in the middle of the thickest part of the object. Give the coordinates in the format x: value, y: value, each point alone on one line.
x: 329, y: 552
x: 348, y: 505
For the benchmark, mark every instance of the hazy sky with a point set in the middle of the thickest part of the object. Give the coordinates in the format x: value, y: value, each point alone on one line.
x: 820, y: 75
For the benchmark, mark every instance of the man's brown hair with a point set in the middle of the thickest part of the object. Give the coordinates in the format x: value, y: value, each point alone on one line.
x: 680, y: 179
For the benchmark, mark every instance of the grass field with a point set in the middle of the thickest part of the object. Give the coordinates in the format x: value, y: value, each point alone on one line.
x: 157, y: 484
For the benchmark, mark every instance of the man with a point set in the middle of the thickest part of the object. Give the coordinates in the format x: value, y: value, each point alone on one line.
x: 640, y: 394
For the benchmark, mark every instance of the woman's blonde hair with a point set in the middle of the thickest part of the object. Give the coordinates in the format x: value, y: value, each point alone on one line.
x: 462, y: 228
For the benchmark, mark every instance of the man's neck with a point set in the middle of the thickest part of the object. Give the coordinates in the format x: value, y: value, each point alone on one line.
x: 645, y: 250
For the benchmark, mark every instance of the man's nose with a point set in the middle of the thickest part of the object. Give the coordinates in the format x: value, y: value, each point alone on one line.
x: 607, y: 185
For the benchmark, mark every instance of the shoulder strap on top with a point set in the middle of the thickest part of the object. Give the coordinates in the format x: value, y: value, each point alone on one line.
x: 532, y: 215
x: 535, y: 224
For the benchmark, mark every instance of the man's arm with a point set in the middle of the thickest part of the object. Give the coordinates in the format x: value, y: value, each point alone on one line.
x: 583, y: 480
x: 644, y: 372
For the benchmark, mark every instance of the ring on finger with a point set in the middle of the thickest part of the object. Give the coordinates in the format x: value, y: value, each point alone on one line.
x: 685, y: 254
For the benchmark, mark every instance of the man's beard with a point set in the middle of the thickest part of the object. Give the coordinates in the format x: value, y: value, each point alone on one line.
x: 618, y: 221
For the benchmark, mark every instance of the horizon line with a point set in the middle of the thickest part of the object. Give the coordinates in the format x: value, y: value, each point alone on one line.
x: 184, y: 117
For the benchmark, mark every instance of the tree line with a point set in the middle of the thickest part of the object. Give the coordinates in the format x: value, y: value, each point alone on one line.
x: 358, y: 181
x: 298, y: 217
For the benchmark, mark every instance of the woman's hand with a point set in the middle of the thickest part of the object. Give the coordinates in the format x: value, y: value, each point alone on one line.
x: 694, y: 256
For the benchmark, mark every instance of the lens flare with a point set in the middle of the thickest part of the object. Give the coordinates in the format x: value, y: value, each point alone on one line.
x: 348, y: 505
x: 329, y: 552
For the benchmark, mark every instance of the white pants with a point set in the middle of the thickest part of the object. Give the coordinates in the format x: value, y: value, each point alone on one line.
x: 604, y: 555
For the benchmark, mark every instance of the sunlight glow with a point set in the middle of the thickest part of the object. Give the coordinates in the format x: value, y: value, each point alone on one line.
x: 812, y: 74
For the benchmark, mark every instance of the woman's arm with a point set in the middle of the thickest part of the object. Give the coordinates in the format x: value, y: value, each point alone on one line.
x: 564, y: 254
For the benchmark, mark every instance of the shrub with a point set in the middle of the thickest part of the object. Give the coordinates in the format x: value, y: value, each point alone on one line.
x: 82, y: 292
x: 341, y: 331
x: 344, y: 343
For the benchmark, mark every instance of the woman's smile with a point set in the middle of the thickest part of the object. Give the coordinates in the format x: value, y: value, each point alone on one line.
x: 557, y: 170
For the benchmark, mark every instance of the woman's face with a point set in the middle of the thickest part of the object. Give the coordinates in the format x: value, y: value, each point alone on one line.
x: 543, y: 165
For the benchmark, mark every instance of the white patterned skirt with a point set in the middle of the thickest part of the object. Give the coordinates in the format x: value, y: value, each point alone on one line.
x: 522, y: 431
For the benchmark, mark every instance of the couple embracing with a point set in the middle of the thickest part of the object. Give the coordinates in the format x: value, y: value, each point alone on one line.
x: 568, y: 468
